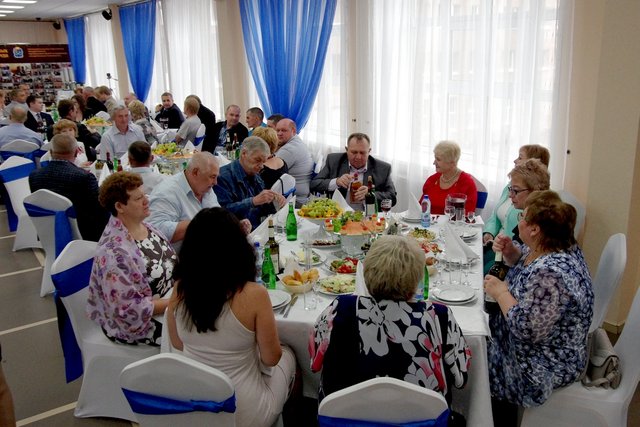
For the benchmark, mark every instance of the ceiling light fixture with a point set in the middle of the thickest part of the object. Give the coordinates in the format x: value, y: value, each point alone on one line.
x: 1, y: 15
x: 7, y: 11
x: 20, y: 1
x: 7, y: 6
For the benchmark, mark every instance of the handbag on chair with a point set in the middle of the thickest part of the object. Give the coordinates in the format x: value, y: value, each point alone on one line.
x: 603, y: 366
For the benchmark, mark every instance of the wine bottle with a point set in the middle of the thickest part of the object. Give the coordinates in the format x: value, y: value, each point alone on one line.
x: 109, y: 162
x: 291, y: 225
x: 370, y: 206
x: 499, y: 269
x: 229, y: 147
x: 274, y: 247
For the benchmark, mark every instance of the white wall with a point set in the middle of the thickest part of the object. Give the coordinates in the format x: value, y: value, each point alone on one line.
x: 31, y: 32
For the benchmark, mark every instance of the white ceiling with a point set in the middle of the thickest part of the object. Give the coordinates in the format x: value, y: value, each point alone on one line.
x: 55, y: 9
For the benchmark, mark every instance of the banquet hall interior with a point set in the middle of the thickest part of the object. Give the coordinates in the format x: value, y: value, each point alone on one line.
x: 578, y: 94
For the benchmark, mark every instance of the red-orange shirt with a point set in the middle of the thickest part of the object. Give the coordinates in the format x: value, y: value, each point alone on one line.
x: 465, y: 184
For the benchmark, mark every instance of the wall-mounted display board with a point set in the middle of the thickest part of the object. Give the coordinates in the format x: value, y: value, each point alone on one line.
x: 45, y: 68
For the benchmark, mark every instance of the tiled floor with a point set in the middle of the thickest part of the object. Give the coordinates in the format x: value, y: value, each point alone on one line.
x: 33, y: 362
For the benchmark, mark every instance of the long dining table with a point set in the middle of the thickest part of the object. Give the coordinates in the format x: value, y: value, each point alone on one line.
x: 473, y: 401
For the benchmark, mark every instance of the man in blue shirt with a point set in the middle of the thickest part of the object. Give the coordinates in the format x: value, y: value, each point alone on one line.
x: 240, y: 188
x: 17, y: 130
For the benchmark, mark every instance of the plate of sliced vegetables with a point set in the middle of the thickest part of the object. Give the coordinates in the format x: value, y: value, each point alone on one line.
x: 340, y: 284
x: 347, y: 265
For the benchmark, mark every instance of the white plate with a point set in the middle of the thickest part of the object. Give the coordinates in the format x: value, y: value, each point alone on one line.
x: 331, y: 294
x: 454, y: 294
x: 470, y: 234
x: 320, y: 261
x: 453, y: 302
x: 412, y: 220
x: 278, y: 298
x: 325, y: 292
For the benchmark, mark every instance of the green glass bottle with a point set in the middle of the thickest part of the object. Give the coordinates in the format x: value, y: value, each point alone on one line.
x: 268, y: 272
x: 292, y: 224
x: 426, y: 283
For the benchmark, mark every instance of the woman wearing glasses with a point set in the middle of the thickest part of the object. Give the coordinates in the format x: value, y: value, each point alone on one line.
x: 546, y: 306
x: 529, y: 175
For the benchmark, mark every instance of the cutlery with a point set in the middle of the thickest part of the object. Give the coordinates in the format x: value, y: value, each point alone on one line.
x: 291, y: 303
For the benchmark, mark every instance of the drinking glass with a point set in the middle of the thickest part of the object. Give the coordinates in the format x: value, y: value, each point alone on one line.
x: 385, y: 206
x: 466, y: 269
x: 455, y: 266
x: 311, y: 301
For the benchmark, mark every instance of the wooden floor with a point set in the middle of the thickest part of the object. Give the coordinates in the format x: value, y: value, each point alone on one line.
x: 33, y: 362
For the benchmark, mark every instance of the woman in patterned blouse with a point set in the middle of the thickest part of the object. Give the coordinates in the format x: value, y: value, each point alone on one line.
x: 546, y: 302
x: 133, y: 267
x: 388, y: 333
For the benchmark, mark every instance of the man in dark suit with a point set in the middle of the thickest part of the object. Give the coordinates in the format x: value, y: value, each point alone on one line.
x: 37, y: 120
x: 231, y: 126
x: 340, y: 170
x: 92, y: 102
x: 62, y: 176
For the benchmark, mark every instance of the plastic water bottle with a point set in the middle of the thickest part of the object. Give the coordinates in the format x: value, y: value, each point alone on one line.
x: 256, y: 248
x: 425, y: 219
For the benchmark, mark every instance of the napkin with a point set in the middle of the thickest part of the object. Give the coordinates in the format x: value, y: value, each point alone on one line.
x: 156, y: 126
x: 189, y: 146
x: 415, y: 210
x: 340, y: 201
x: 154, y: 145
x: 280, y: 217
x: 290, y: 264
x: 103, y: 174
x: 124, y: 160
x: 455, y: 248
x: 222, y: 160
x: 361, y: 286
x: 81, y: 159
x: 155, y: 168
x: 260, y: 233
x: 472, y: 320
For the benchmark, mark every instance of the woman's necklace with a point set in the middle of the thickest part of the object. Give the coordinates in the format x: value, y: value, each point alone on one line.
x: 453, y: 177
x: 533, y: 255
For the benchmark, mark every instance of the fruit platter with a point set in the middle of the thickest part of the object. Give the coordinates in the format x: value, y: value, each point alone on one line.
x: 320, y: 209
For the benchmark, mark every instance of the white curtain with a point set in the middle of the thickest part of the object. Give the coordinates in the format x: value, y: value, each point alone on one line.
x: 186, y: 57
x: 482, y: 73
x: 101, y: 58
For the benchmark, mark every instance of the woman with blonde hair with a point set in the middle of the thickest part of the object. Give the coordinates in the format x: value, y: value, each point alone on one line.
x: 274, y: 167
x: 448, y: 179
x: 389, y: 333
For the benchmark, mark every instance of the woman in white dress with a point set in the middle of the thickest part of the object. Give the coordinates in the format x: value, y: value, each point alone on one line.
x: 218, y: 315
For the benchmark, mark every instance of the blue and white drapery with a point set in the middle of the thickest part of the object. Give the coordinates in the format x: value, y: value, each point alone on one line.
x: 75, y: 37
x: 286, y: 44
x: 138, y: 24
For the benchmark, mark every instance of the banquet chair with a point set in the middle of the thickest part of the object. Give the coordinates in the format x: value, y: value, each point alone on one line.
x: 384, y: 400
x: 55, y: 221
x: 285, y: 185
x: 567, y: 197
x: 608, y: 276
x: 318, y: 163
x: 197, y: 142
x: 102, y: 360
x: 20, y: 147
x: 577, y: 405
x: 194, y: 385
x: 483, y: 194
x: 45, y: 159
x: 14, y: 173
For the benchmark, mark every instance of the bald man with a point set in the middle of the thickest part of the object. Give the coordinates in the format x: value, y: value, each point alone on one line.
x: 296, y: 155
x: 17, y: 130
x: 231, y: 126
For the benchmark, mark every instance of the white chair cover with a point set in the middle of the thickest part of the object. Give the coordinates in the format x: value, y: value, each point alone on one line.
x: 319, y: 162
x: 19, y: 147
x: 608, y: 276
x: 103, y: 360
x: 14, y: 173
x: 285, y: 185
x: 177, y: 377
x: 46, y: 228
x: 197, y: 143
x: 567, y: 197
x: 384, y: 400
x: 577, y: 405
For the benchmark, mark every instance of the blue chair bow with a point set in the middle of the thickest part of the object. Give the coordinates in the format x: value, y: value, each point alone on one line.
x: 14, y: 174
x: 67, y: 283
x: 327, y: 421
x: 63, y: 231
x: 148, y: 404
x: 31, y: 155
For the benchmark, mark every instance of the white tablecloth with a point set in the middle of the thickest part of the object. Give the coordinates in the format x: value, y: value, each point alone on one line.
x: 474, y: 401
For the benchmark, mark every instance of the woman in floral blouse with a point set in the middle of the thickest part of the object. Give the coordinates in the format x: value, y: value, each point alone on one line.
x: 388, y: 333
x: 546, y: 302
x: 133, y: 267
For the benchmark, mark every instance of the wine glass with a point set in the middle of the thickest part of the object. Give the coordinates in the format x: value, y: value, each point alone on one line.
x: 466, y: 269
x: 450, y: 211
x: 385, y: 206
x: 471, y: 217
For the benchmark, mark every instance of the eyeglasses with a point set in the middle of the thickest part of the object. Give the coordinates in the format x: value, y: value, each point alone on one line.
x: 516, y: 192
